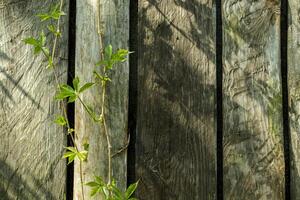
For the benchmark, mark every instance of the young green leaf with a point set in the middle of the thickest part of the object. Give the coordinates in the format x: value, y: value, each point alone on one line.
x: 85, y: 87
x: 108, y: 52
x: 38, y: 44
x: 52, y: 28
x: 72, y: 153
x: 72, y: 99
x: 71, y: 130
x: 117, y: 194
x: 102, y: 78
x: 66, y: 91
x: 130, y: 190
x: 120, y: 56
x: 55, y: 13
x: 76, y: 83
x: 60, y: 120
x: 97, y: 186
x: 31, y: 41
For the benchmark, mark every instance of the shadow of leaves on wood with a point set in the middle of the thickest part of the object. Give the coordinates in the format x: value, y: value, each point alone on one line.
x: 14, y: 185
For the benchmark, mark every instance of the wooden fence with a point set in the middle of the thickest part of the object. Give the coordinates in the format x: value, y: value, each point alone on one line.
x: 210, y: 99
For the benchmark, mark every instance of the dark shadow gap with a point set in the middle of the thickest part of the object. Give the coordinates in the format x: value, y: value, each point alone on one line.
x: 71, y: 106
x: 219, y: 98
x: 133, y: 81
x: 285, y: 106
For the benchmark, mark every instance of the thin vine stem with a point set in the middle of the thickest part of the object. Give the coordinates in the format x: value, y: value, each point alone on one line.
x: 61, y: 103
x: 107, y: 135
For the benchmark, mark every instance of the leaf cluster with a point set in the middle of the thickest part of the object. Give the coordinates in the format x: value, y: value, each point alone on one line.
x: 111, y: 191
x: 73, y: 153
x: 110, y: 58
x: 55, y: 13
x: 38, y: 44
x: 66, y: 91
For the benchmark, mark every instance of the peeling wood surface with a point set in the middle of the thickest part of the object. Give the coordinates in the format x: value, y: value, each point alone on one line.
x: 31, y: 145
x: 115, y: 19
x: 294, y: 94
x: 253, y: 144
x: 175, y: 144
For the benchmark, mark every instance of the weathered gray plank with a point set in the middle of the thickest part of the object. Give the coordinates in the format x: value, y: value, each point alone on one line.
x: 31, y: 145
x: 175, y: 145
x: 253, y: 145
x: 294, y: 94
x: 115, y: 18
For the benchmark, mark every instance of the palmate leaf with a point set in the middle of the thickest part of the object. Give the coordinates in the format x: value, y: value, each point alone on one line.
x: 54, y: 13
x: 110, y: 58
x: 52, y: 28
x: 38, y: 44
x: 65, y: 91
x: 72, y: 153
x: 60, y: 120
x: 97, y: 186
x: 31, y: 41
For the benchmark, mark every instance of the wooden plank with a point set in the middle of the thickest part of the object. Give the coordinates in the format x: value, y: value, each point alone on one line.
x: 176, y: 137
x: 253, y: 144
x: 31, y: 145
x: 294, y: 92
x: 115, y: 18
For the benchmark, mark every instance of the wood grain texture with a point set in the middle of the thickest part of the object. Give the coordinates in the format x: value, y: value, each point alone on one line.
x: 31, y: 145
x: 253, y: 144
x: 175, y: 144
x: 115, y: 20
x: 294, y: 94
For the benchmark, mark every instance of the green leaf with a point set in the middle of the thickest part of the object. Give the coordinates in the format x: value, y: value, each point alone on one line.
x: 102, y: 62
x: 72, y: 149
x: 72, y: 153
x: 95, y: 191
x: 46, y: 52
x: 120, y: 56
x: 52, y: 28
x: 42, y: 39
x: 82, y: 155
x: 65, y: 91
x: 86, y: 146
x: 76, y: 83
x: 130, y: 190
x: 60, y: 120
x: 37, y: 50
x: 85, y: 87
x: 72, y: 98
x: 117, y: 193
x: 55, y: 13
x: 71, y: 130
x: 108, y: 52
x: 99, y: 180
x: 102, y: 78
x: 44, y: 16
x: 97, y: 186
x: 31, y: 41
x: 92, y: 184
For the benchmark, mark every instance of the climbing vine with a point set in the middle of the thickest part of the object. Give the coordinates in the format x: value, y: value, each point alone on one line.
x: 72, y: 93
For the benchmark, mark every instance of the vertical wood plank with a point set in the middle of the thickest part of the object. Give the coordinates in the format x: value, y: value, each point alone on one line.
x: 31, y: 145
x: 253, y: 144
x: 115, y: 19
x: 175, y: 144
x: 294, y: 93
